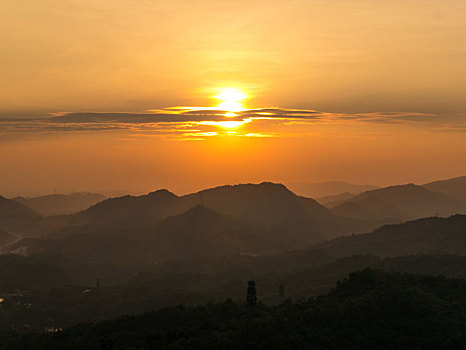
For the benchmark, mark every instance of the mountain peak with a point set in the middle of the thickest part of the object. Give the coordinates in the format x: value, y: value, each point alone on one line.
x: 162, y: 193
x: 270, y: 186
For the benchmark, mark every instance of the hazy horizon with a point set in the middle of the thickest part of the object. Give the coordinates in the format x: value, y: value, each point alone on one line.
x: 184, y: 190
x: 139, y: 95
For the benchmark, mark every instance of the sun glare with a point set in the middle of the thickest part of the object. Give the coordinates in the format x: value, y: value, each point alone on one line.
x: 228, y: 124
x: 231, y: 101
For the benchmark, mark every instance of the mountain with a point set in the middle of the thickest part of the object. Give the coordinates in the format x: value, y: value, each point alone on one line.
x: 400, y: 202
x: 16, y: 217
x: 199, y: 233
x: 131, y: 211
x: 330, y: 188
x: 266, y: 206
x: 293, y: 220
x: 365, y: 211
x: 202, y: 232
x: 12, y: 210
x: 453, y: 188
x: 263, y: 204
x: 424, y: 236
x: 335, y: 199
x: 57, y: 204
x: 427, y: 236
x: 272, y: 217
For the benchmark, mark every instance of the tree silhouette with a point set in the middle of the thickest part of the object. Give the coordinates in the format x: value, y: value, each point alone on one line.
x: 251, y: 296
x: 281, y: 292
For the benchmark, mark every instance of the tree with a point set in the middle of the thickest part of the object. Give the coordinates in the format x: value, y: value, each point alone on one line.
x: 281, y: 292
x: 251, y: 296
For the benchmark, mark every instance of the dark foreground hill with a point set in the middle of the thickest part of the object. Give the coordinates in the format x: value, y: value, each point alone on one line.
x: 44, y: 291
x: 370, y: 310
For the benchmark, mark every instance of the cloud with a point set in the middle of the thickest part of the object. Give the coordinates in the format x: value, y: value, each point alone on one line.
x: 199, y: 123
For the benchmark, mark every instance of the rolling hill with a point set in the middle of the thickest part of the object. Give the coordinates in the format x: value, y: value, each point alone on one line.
x: 329, y: 188
x: 131, y: 211
x: 265, y: 206
x: 16, y: 217
x: 402, y: 202
x: 453, y: 188
x: 202, y: 232
x: 57, y: 204
x: 423, y: 236
x: 199, y: 233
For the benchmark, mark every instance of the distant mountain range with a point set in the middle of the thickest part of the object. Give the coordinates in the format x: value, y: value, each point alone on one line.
x: 329, y: 188
x: 429, y: 245
x: 57, y: 204
x: 234, y: 220
x: 399, y: 203
x: 14, y: 216
x: 11, y: 210
x: 265, y: 206
x: 454, y: 188
x: 423, y: 236
x: 251, y: 219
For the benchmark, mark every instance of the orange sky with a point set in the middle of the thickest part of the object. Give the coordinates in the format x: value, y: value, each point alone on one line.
x: 362, y: 91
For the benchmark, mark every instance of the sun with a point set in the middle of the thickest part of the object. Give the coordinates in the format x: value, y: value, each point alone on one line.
x: 231, y: 101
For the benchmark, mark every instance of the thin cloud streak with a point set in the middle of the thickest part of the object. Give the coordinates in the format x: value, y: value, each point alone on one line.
x: 198, y: 122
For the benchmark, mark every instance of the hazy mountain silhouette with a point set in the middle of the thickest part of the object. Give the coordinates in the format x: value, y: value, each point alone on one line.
x: 292, y: 220
x: 400, y: 202
x: 132, y: 211
x: 329, y: 188
x: 56, y: 204
x: 16, y: 217
x: 423, y: 236
x: 226, y: 220
x: 198, y: 233
x: 369, y: 207
x: 12, y: 210
x: 335, y: 199
x: 365, y: 211
x: 202, y: 232
x: 266, y: 206
x: 453, y: 188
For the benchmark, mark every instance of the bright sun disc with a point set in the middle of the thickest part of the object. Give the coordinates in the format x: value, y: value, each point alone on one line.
x: 231, y: 101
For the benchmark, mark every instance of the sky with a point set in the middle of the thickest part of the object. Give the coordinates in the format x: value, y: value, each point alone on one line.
x: 136, y: 95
